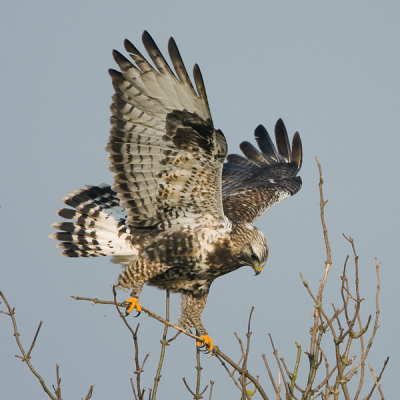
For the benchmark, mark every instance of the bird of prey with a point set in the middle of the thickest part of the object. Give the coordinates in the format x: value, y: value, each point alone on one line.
x: 180, y: 212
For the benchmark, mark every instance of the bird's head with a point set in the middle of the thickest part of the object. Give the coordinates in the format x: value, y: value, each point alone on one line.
x: 255, y: 250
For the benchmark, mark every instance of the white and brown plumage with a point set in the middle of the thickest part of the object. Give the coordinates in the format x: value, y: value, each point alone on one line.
x: 177, y: 216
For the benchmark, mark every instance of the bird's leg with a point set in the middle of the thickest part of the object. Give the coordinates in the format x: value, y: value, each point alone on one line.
x: 192, y: 305
x: 133, y: 277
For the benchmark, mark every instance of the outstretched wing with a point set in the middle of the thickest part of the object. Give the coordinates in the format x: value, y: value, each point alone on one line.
x: 166, y: 156
x: 254, y: 183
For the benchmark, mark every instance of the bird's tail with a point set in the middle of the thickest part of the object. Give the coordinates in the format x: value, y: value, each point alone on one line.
x: 98, y: 228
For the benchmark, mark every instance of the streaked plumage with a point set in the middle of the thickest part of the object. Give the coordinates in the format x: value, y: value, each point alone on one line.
x: 177, y: 216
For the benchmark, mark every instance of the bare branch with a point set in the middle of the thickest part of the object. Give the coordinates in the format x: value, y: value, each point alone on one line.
x: 198, y: 375
x: 34, y: 340
x: 293, y: 376
x: 376, y: 381
x: 322, y: 204
x: 197, y: 395
x: 90, y: 392
x: 133, y: 388
x: 188, y: 388
x: 139, y: 369
x: 58, y: 390
x: 275, y: 353
x: 278, y: 393
x: 229, y: 373
x: 271, y: 378
x: 245, y: 358
x: 219, y: 353
x: 145, y: 310
x: 211, y: 389
x: 164, y: 343
x: 11, y: 314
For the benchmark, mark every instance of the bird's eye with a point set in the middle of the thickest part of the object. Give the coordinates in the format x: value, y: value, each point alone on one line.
x: 254, y: 257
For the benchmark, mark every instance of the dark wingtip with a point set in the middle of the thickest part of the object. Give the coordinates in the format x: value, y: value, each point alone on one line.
x: 260, y: 131
x: 265, y: 143
x: 198, y: 79
x: 282, y: 140
x: 297, y: 150
x: 171, y: 42
x: 147, y: 39
x: 130, y: 48
x: 146, y: 36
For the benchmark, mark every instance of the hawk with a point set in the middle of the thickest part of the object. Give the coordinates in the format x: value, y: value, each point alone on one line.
x: 180, y: 212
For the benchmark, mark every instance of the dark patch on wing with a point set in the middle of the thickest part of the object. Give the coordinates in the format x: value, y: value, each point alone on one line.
x: 252, y: 185
x: 188, y: 131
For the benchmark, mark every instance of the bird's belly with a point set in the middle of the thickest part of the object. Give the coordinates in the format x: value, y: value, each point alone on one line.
x: 182, y: 279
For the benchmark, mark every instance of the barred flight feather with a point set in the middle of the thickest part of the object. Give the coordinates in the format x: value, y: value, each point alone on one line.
x: 99, y: 228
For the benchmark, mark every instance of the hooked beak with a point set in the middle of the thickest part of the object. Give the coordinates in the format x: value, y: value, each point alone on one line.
x: 258, y: 270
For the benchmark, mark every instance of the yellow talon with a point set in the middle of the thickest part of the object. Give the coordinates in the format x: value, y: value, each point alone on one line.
x: 206, y: 342
x: 133, y: 304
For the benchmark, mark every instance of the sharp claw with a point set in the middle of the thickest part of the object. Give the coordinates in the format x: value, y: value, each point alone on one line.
x: 132, y: 303
x: 207, y: 344
x: 129, y: 313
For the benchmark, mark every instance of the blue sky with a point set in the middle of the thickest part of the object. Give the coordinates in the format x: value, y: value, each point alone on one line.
x: 330, y: 71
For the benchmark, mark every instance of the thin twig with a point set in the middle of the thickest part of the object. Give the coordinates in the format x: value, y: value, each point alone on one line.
x: 196, y: 395
x: 90, y: 392
x: 164, y: 343
x: 271, y: 377
x: 245, y: 358
x: 198, y: 373
x: 322, y: 207
x: 278, y: 393
x: 34, y: 340
x: 376, y: 381
x: 275, y: 353
x: 133, y: 388
x: 231, y: 374
x: 58, y: 390
x: 188, y: 388
x: 293, y: 376
x: 211, y: 389
x: 11, y: 314
x: 218, y: 352
x: 314, y: 353
x: 139, y: 368
x: 145, y: 310
x: 361, y: 381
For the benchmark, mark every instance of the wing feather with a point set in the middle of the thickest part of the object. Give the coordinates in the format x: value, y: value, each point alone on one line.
x: 156, y: 56
x: 252, y: 153
x: 252, y: 185
x: 179, y: 66
x: 282, y: 140
x: 201, y: 89
x: 164, y: 152
x: 265, y: 143
x: 297, y: 150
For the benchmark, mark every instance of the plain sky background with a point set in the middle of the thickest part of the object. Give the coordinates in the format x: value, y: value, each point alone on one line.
x: 329, y: 69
